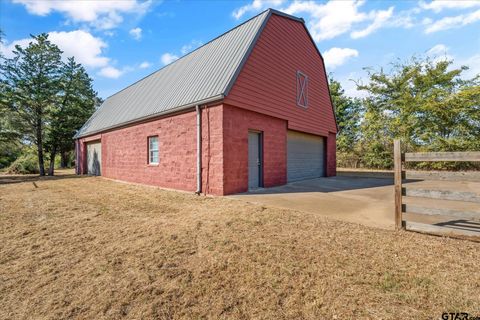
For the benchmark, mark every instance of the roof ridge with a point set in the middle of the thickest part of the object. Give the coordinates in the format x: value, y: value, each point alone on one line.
x: 285, y: 15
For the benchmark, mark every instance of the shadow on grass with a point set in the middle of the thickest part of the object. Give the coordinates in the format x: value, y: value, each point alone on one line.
x: 18, y: 178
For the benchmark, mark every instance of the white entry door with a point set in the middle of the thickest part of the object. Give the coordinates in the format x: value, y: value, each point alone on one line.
x: 94, y: 158
x: 254, y: 160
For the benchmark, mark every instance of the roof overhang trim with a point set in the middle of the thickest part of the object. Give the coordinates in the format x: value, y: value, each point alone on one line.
x: 155, y: 115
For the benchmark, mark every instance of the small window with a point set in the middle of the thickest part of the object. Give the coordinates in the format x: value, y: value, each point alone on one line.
x: 153, y: 150
x: 302, y: 89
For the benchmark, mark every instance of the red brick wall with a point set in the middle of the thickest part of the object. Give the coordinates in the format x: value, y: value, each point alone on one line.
x: 212, y: 150
x: 331, y: 155
x: 82, y: 149
x: 124, y: 152
x: 224, y: 146
x: 236, y: 123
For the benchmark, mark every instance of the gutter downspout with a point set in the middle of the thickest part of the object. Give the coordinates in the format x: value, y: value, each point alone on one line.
x: 77, y: 168
x: 199, y: 149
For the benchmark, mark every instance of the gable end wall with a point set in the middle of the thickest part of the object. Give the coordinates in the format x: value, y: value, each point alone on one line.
x: 267, y: 82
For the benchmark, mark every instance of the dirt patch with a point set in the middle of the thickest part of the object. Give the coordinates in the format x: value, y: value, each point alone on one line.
x: 89, y: 248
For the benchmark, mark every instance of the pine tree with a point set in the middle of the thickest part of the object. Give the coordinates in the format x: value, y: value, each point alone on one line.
x: 74, y: 105
x: 30, y: 84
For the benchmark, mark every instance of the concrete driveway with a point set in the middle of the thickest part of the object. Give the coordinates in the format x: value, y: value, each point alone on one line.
x: 368, y: 201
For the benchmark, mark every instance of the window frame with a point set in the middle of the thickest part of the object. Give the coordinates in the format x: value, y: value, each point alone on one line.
x: 304, y: 89
x: 149, y: 150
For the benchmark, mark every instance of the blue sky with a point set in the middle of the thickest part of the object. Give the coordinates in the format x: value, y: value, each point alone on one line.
x: 120, y: 42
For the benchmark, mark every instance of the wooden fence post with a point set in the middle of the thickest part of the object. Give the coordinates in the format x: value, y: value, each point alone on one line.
x: 397, y: 163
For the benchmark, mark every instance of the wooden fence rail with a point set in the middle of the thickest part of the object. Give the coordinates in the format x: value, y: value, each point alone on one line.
x: 441, y: 194
x: 442, y: 156
x: 404, y: 212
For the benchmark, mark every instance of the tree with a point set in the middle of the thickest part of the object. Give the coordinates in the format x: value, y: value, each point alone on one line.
x: 10, y: 145
x: 75, y: 104
x: 425, y: 103
x: 45, y: 100
x: 348, y: 113
x: 375, y: 144
x: 30, y: 84
x: 9, y: 137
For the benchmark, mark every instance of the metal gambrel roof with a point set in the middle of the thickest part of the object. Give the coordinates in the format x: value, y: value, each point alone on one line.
x: 204, y: 75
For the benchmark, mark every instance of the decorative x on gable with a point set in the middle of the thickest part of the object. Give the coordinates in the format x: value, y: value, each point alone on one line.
x: 302, y: 89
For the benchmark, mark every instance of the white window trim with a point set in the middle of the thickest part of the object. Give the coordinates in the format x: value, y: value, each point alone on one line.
x: 150, y: 151
x: 304, y: 89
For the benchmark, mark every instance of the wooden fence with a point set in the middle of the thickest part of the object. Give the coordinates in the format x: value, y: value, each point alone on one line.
x: 403, y: 211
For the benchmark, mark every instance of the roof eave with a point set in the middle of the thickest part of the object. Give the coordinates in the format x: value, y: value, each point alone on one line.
x: 216, y: 98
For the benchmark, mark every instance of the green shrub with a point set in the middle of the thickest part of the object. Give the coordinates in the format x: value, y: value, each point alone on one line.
x: 26, y: 163
x: 348, y: 160
x: 9, y: 151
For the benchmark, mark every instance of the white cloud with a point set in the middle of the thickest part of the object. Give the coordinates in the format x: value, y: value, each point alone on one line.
x: 136, y: 33
x: 439, y: 5
x: 86, y: 48
x: 379, y: 19
x: 110, y: 72
x: 473, y: 63
x: 7, y: 49
x: 328, y: 20
x: 145, y: 65
x: 351, y: 90
x: 349, y: 84
x: 168, y: 58
x: 191, y: 46
x: 441, y: 52
x: 109, y: 33
x: 427, y: 21
x: 439, y: 49
x: 335, y: 57
x: 333, y: 18
x: 452, y: 22
x: 255, y: 6
x: 105, y: 14
x: 404, y: 19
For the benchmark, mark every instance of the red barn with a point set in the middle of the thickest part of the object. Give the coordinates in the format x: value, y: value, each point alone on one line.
x: 249, y: 109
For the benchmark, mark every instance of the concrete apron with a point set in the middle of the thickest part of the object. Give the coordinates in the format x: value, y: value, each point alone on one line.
x: 367, y: 201
x: 361, y: 200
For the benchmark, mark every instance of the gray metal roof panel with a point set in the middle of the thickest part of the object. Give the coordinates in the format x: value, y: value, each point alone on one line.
x: 202, y: 74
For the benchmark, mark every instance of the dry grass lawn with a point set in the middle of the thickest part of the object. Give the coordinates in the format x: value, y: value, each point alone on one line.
x: 90, y: 248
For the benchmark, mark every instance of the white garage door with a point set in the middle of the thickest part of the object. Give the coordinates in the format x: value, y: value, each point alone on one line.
x: 305, y: 156
x: 94, y: 158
